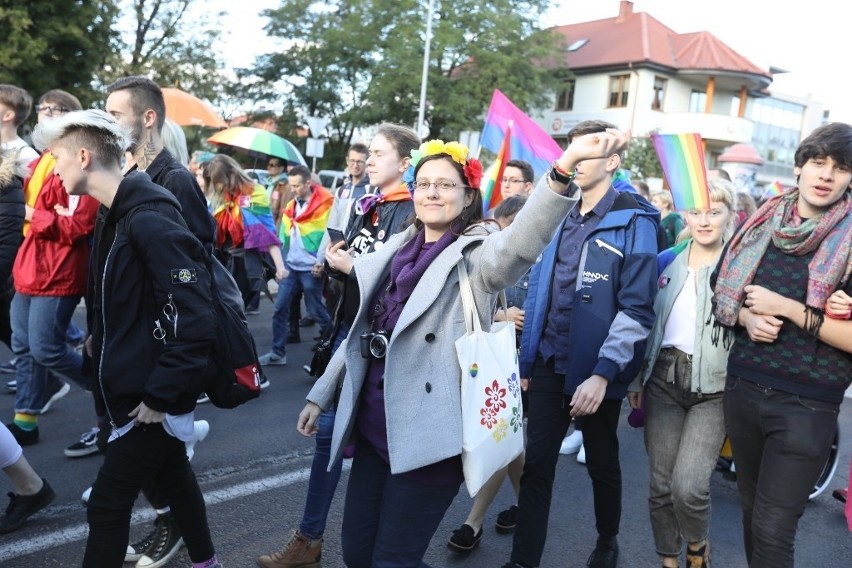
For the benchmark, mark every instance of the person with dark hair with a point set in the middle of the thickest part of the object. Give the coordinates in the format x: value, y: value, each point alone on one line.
x: 146, y: 387
x: 392, y: 400
x: 518, y: 177
x: 15, y: 107
x: 718, y: 173
x: 389, y: 158
x: 50, y: 275
x: 789, y: 365
x: 302, y: 228
x: 137, y: 104
x: 589, y: 311
x: 642, y: 189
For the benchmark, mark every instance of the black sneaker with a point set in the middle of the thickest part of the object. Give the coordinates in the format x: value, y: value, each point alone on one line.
x: 506, y: 520
x: 23, y: 437
x: 166, y: 543
x: 9, y: 367
x: 306, y: 322
x: 22, y: 507
x: 464, y: 539
x: 12, y: 386
x: 87, y: 445
x: 604, y: 555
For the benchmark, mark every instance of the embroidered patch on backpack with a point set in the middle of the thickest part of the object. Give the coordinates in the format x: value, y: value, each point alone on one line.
x: 184, y: 276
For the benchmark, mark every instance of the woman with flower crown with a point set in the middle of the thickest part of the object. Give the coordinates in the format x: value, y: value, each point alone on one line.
x: 400, y: 399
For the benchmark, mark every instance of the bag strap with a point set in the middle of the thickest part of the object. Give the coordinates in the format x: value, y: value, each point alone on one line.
x: 471, y: 315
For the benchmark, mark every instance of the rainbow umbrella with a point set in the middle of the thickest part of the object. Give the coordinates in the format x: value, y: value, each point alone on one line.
x: 258, y: 142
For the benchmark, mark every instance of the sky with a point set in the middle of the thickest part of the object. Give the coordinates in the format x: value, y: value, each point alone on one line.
x: 808, y: 39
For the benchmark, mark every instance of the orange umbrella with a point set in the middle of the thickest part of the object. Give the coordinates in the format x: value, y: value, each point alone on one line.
x: 188, y: 110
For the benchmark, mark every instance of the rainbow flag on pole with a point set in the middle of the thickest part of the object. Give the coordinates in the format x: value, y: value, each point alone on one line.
x: 491, y: 194
x: 773, y: 189
x: 529, y: 142
x: 682, y: 159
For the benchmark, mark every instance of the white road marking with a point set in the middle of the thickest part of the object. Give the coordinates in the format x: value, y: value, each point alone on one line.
x: 28, y: 545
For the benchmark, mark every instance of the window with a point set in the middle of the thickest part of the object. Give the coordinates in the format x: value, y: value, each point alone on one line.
x: 619, y: 86
x: 697, y: 101
x: 659, y: 93
x: 565, y: 98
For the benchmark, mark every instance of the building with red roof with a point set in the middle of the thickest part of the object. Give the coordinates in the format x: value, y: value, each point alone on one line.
x: 634, y: 71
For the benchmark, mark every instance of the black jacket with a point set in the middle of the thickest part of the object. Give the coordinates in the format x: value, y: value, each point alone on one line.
x: 167, y: 172
x: 11, y: 213
x: 145, y: 258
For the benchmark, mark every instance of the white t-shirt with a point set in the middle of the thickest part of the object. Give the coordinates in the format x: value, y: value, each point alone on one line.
x: 680, y: 327
x: 26, y: 154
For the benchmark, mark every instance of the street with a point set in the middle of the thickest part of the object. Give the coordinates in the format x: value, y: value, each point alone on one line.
x: 253, y: 469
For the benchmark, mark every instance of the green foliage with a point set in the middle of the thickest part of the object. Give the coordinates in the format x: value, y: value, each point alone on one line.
x: 641, y: 159
x: 170, y: 45
x: 359, y: 62
x: 56, y: 45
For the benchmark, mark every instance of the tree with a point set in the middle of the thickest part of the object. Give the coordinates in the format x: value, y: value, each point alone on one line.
x: 641, y: 159
x: 158, y: 43
x: 56, y: 45
x: 334, y: 65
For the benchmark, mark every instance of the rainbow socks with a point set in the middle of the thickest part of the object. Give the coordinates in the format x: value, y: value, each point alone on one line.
x: 26, y: 422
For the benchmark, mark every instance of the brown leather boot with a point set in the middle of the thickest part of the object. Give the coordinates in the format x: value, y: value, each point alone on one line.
x: 300, y: 552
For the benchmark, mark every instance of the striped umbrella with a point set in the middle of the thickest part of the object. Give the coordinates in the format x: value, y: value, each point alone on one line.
x: 257, y: 142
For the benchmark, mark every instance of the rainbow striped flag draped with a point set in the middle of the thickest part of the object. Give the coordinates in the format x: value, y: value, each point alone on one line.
x: 311, y: 222
x: 491, y: 194
x: 247, y: 220
x: 682, y: 159
x: 773, y: 189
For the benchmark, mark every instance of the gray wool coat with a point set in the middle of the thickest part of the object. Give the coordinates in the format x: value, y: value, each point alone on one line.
x: 422, y: 376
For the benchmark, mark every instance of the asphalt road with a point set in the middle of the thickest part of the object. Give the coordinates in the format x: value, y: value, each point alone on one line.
x: 253, y: 469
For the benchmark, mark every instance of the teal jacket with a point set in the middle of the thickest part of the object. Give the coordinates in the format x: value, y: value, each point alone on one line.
x: 709, y: 362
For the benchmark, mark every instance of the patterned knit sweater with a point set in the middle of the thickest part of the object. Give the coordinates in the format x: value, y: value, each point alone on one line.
x: 796, y: 362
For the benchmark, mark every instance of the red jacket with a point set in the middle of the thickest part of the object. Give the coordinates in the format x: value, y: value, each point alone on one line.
x: 54, y: 257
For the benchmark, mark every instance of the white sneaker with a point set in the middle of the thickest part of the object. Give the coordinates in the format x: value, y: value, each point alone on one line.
x: 202, y: 428
x: 272, y: 358
x: 86, y: 494
x: 56, y: 395
x: 581, y: 455
x: 572, y: 443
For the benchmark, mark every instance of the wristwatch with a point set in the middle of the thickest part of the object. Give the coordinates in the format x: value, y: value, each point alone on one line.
x: 557, y: 174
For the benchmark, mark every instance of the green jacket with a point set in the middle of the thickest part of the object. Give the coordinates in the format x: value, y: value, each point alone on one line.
x: 709, y: 362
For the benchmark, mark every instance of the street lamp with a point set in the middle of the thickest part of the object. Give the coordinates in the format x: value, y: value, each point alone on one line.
x: 421, y: 114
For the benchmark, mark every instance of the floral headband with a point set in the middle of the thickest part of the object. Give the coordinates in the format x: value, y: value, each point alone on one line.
x: 459, y: 153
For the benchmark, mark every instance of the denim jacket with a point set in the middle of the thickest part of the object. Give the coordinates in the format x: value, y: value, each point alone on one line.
x: 709, y: 362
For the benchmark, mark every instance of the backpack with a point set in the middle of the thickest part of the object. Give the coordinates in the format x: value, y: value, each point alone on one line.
x: 234, y: 372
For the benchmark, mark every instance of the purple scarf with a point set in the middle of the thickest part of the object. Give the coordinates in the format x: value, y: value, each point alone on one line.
x: 407, y: 267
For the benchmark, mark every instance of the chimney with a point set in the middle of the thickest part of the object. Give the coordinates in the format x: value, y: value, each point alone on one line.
x: 625, y: 10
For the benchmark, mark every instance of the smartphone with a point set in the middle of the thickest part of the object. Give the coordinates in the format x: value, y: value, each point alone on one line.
x: 336, y: 236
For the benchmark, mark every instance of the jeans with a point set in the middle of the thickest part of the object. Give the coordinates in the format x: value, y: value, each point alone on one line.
x: 388, y: 519
x: 39, y: 332
x: 313, y: 301
x: 780, y: 443
x: 684, y: 432
x: 323, y: 483
x: 547, y: 424
x: 144, y: 455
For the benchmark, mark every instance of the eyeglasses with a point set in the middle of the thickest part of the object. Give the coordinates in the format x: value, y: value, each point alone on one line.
x: 274, y: 165
x: 712, y: 214
x: 512, y: 180
x: 356, y: 162
x: 51, y: 110
x: 442, y: 185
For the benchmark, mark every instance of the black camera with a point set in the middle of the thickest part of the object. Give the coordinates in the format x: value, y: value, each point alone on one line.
x: 374, y: 344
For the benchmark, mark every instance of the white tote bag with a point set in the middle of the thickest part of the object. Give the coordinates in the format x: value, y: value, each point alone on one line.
x: 492, y: 416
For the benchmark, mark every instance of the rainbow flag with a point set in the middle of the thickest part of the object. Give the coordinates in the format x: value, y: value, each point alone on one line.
x: 310, y: 222
x: 491, y: 194
x: 773, y: 189
x: 682, y: 159
x: 529, y: 142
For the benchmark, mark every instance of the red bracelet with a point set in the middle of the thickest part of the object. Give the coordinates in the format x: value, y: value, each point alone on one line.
x: 560, y: 170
